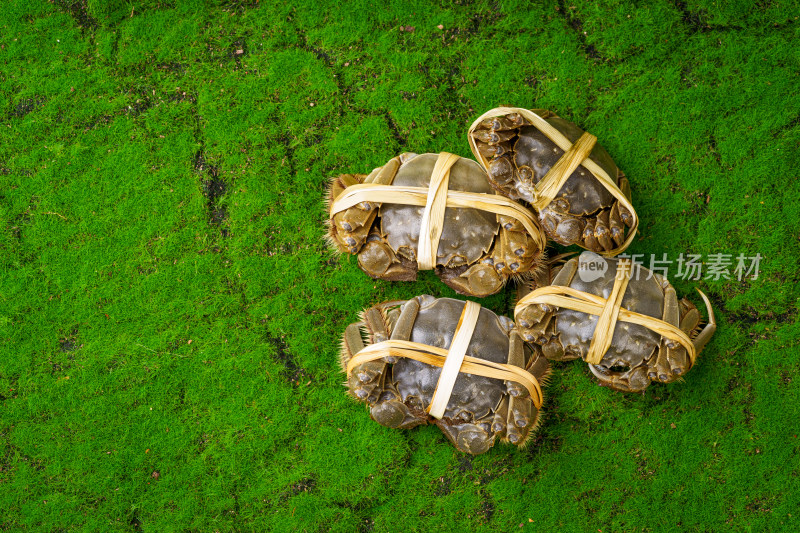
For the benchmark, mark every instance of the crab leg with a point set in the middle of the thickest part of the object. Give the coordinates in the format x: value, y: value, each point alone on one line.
x: 520, y: 404
x: 519, y: 418
x: 552, y: 348
x: 634, y: 380
x: 671, y: 357
x: 516, y: 357
x: 405, y: 322
x: 589, y: 239
x: 511, y: 121
x: 350, y: 227
x: 514, y: 248
x: 495, y: 150
x: 375, y: 323
x: 363, y: 380
x: 535, y: 321
x: 602, y: 232
x: 615, y: 223
x: 513, y: 433
x: 705, y: 335
x: 624, y: 186
x: 494, y: 136
x: 500, y: 417
x: 384, y: 175
x: 388, y: 408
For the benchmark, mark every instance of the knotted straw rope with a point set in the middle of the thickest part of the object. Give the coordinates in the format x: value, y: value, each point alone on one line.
x: 451, y: 361
x: 436, y: 197
x: 545, y: 191
x: 610, y: 311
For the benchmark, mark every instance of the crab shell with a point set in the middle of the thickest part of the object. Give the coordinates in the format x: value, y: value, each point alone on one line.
x: 478, y: 250
x: 637, y: 355
x: 518, y: 155
x: 466, y: 234
x: 398, y: 390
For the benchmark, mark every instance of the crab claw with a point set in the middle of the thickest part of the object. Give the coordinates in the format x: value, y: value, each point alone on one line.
x: 467, y: 437
x: 392, y: 413
x: 633, y: 380
x: 379, y: 261
x: 481, y: 280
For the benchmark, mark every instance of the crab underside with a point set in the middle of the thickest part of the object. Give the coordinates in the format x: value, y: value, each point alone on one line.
x: 583, y: 212
x: 637, y: 356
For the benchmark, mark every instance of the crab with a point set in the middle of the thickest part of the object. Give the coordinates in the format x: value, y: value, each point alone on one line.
x: 637, y: 355
x: 517, y: 154
x: 478, y: 250
x: 399, y: 390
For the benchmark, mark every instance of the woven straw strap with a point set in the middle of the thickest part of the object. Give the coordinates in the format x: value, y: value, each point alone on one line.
x: 435, y: 198
x: 574, y: 155
x: 454, y: 359
x: 452, y: 362
x: 609, y: 312
x: 432, y: 224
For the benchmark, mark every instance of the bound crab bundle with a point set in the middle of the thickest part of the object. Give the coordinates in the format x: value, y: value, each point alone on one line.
x: 449, y: 362
x: 433, y: 211
x: 579, y: 194
x: 459, y: 366
x: 625, y: 321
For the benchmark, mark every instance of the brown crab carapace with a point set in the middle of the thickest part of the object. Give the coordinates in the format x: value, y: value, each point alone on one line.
x: 397, y: 390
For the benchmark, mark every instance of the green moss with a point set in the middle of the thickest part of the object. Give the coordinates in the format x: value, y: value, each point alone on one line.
x: 170, y: 315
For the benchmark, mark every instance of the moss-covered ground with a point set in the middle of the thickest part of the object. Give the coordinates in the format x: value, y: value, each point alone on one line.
x: 170, y: 315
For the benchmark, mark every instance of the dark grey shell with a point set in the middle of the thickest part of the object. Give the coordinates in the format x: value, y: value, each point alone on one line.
x: 468, y: 233
x: 584, y: 194
x: 434, y: 326
x: 631, y: 343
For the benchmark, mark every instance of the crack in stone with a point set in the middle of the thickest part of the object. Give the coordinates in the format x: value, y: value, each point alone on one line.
x: 345, y: 90
x: 214, y: 188
x: 25, y: 106
x: 577, y: 25
x: 292, y: 369
x: 78, y: 10
x: 694, y: 20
